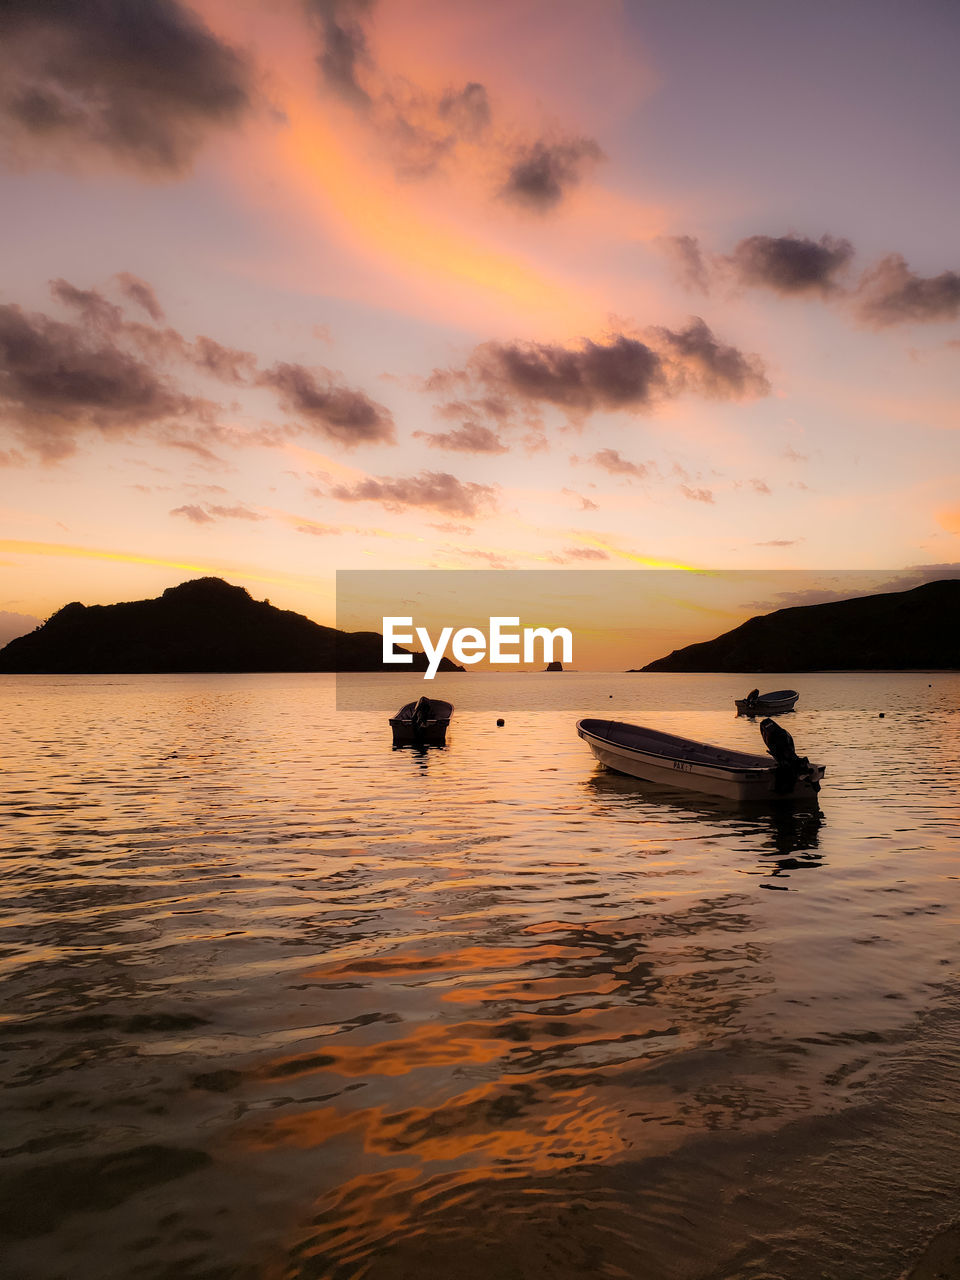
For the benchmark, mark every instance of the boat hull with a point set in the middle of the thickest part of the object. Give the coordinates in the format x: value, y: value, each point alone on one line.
x: 430, y: 732
x: 740, y: 784
x: 769, y: 706
x: 433, y: 734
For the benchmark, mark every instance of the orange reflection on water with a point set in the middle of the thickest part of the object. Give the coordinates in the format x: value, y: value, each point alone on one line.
x: 513, y: 1120
x: 547, y: 1036
x: 459, y: 961
x: 428, y: 1045
x: 529, y: 989
x: 500, y: 1131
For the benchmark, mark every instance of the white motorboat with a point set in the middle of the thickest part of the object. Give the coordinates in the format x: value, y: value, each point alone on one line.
x: 699, y: 766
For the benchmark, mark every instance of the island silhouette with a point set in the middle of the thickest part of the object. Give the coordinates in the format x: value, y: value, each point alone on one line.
x: 912, y: 630
x: 201, y: 625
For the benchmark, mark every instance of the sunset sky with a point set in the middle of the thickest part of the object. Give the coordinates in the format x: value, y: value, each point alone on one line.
x: 317, y: 284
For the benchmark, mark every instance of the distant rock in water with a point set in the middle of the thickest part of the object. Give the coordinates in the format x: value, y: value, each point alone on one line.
x: 202, y: 625
x: 554, y: 666
x: 898, y: 631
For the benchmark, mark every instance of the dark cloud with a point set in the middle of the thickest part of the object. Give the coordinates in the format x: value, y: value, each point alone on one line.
x: 424, y: 131
x: 347, y: 416
x: 621, y: 373
x: 92, y: 305
x: 57, y: 380
x: 345, y: 51
x: 158, y: 344
x: 702, y: 363
x: 696, y: 495
x: 419, y: 129
x: 779, y: 542
x: 434, y: 489
x: 228, y: 364
x: 887, y: 293
x: 108, y: 373
x: 890, y: 293
x: 687, y: 257
x: 611, y: 461
x: 469, y: 438
x: 211, y: 511
x: 791, y: 264
x: 142, y: 294
x: 543, y: 173
x: 145, y: 82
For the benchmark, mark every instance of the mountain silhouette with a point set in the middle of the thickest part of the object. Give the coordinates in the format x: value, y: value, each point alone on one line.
x: 202, y: 625
x: 897, y: 631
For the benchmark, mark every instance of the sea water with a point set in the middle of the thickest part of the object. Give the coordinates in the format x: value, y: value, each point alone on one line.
x: 279, y: 1001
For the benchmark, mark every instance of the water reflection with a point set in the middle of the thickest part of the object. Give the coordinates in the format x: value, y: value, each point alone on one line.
x: 420, y: 749
x: 295, y: 1006
x: 771, y: 830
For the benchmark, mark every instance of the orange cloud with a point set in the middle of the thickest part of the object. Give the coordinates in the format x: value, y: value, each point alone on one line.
x: 446, y: 246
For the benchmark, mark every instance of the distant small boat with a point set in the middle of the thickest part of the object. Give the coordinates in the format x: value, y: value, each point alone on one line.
x: 422, y: 723
x: 767, y: 704
x: 698, y: 766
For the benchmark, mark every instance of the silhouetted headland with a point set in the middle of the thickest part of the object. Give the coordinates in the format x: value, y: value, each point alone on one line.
x: 898, y: 631
x: 202, y: 625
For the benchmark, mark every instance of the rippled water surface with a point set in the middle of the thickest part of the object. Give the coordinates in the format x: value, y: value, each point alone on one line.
x: 278, y: 1001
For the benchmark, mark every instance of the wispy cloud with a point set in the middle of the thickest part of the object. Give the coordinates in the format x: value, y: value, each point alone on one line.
x: 436, y: 490
x: 890, y: 293
x: 340, y: 413
x: 472, y: 437
x: 610, y: 460
x: 210, y: 512
x: 106, y: 374
x: 424, y: 131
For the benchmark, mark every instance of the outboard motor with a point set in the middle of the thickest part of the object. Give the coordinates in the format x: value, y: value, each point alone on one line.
x: 421, y: 714
x: 790, y: 766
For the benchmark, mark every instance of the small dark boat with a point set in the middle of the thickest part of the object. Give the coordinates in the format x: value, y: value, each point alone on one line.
x: 422, y: 723
x: 767, y: 704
